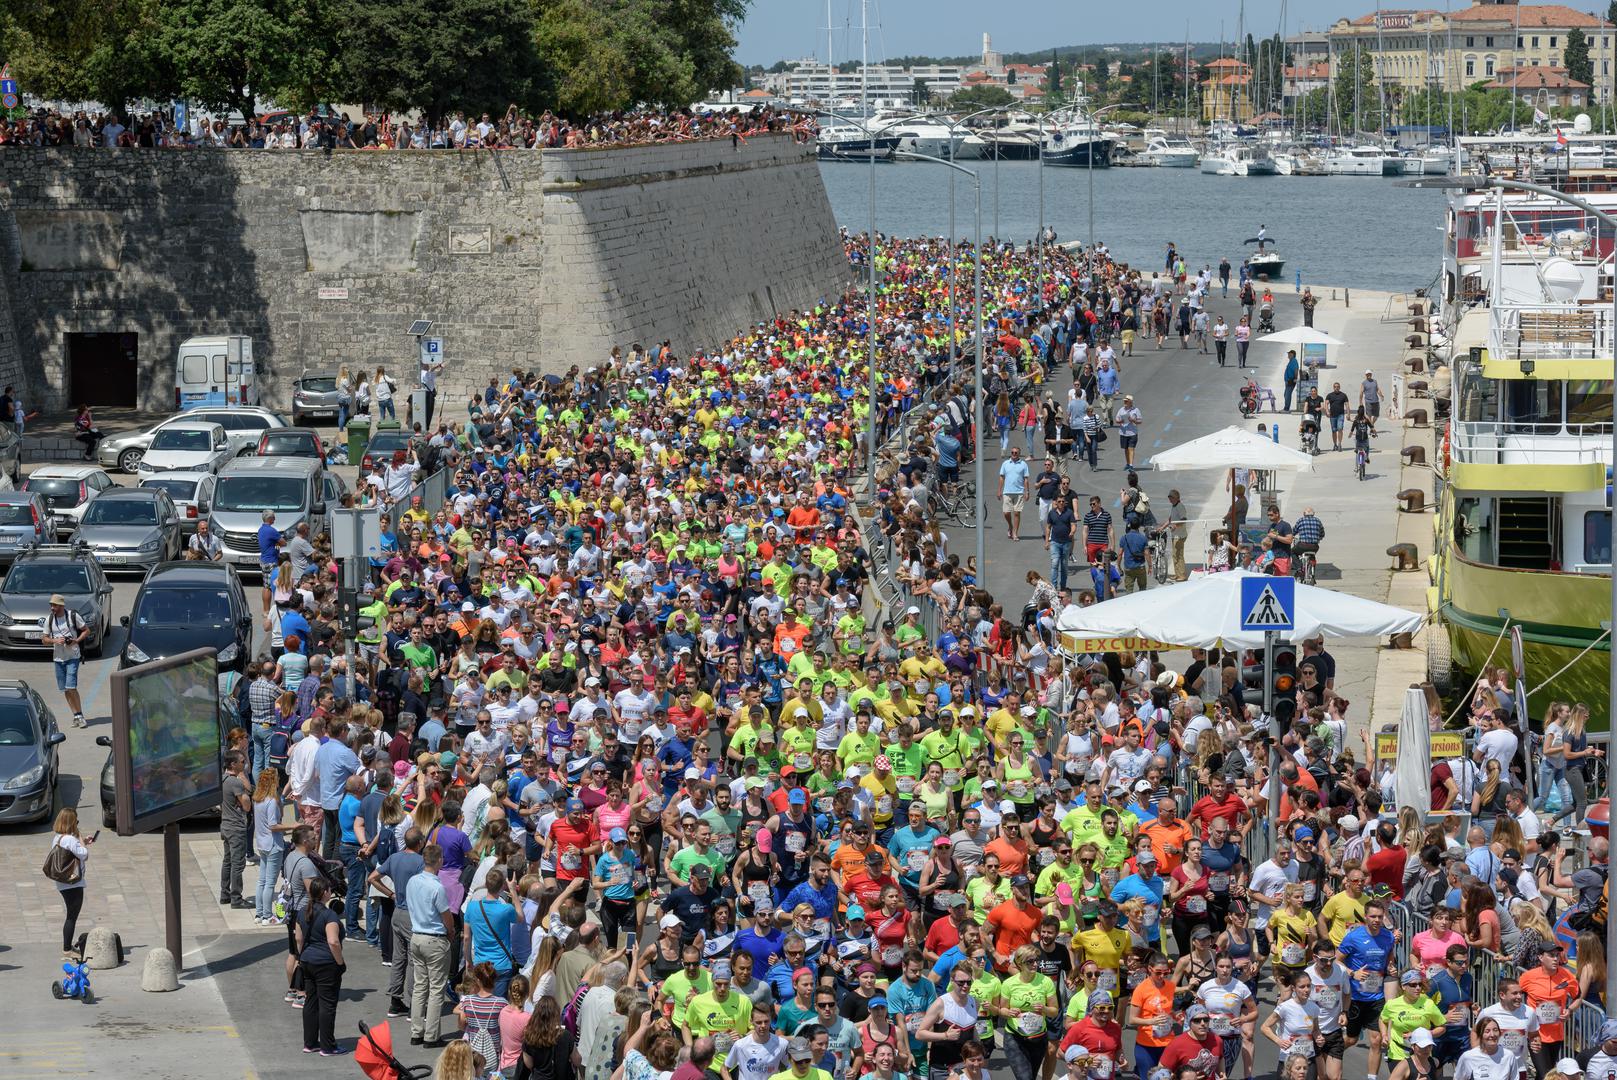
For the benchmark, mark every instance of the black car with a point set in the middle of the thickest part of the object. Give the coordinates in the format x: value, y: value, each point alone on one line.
x: 381, y: 448
x: 189, y: 605
x: 28, y: 765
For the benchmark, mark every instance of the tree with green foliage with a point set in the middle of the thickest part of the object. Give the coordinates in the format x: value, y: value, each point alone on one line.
x: 1052, y: 81
x: 107, y: 51
x: 230, y: 54
x: 981, y: 97
x: 1576, y: 58
x: 1358, y: 104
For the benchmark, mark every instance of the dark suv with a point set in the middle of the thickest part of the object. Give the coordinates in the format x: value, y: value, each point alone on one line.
x: 189, y: 605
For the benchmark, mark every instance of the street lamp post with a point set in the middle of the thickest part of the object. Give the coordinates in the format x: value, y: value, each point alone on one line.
x: 1502, y: 184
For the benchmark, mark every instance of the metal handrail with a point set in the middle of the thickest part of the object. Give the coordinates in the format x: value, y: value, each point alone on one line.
x: 1503, y: 442
x: 1550, y: 331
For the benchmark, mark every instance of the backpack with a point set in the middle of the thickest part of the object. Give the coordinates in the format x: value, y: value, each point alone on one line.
x: 62, y: 866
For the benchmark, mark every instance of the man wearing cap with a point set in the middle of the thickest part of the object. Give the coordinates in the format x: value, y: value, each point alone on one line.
x: 1603, y: 1063
x: 882, y: 788
x: 1012, y: 924
x: 1410, y: 1013
x: 793, y: 839
x: 1552, y: 994
x: 1096, y: 1041
x: 946, y: 745
x: 690, y: 980
x: 720, y: 1013
x: 1197, y: 1047
x: 65, y: 632
x: 800, y: 1058
x: 1146, y: 885
x: 575, y: 842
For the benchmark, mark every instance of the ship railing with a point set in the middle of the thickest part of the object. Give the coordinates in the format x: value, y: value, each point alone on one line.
x: 1550, y: 331
x: 1498, y: 442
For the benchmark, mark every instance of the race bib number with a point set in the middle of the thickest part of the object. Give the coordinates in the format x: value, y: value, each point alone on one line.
x: 1162, y: 1027
x: 1100, y: 1067
x: 1301, y: 1046
x: 631, y: 731
x: 823, y: 804
x: 1030, y: 1024
x: 985, y: 1027
x: 951, y: 777
x: 916, y: 861
x: 725, y: 845
x: 892, y: 956
x: 1152, y: 916
x: 1222, y: 1025
x: 946, y: 900
x: 654, y: 805
x: 723, y: 1041
x: 1108, y: 879
x: 1308, y: 892
x: 571, y: 860
x: 758, y: 891
x: 822, y: 927
x: 1432, y: 970
x: 1107, y: 980
x: 1549, y: 1012
x: 1513, y: 1041
x: 796, y: 842
x: 802, y: 761
x: 884, y: 805
x: 1046, y: 856
x: 1292, y: 953
x: 906, y: 784
x: 1462, y: 1015
x: 1196, y: 905
x: 620, y: 875
x: 1018, y: 790
x: 1328, y: 998
x: 912, y: 1023
x: 1219, y: 883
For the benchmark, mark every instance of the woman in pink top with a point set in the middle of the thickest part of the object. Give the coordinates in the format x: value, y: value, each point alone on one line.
x: 614, y: 813
x: 513, y: 1020
x: 1429, y: 947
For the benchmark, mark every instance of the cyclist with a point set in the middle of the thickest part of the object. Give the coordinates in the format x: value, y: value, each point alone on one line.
x: 1307, y: 533
x: 1362, y: 428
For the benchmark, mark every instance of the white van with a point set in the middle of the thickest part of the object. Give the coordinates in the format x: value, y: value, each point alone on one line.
x: 215, y: 371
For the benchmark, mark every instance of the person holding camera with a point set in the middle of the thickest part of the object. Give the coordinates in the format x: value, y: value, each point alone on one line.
x: 319, y: 939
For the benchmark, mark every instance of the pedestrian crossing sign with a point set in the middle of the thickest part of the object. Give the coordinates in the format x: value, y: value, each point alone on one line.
x: 1268, y: 603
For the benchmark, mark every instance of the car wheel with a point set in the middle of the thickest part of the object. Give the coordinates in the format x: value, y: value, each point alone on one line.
x: 109, y: 820
x: 129, y: 460
x: 93, y: 649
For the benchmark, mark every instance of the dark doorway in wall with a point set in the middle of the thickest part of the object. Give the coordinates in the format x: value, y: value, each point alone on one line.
x: 102, y: 369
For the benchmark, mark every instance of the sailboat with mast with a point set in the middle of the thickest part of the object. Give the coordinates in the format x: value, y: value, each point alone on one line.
x: 840, y: 140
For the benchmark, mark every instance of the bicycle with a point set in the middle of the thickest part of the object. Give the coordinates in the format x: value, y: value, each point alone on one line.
x: 1158, y: 553
x: 1302, y: 567
x: 1361, y: 461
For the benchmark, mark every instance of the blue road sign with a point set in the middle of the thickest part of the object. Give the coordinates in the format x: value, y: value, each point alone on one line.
x: 1268, y: 603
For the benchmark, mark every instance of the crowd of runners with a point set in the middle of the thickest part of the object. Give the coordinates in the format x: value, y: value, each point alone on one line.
x: 627, y: 773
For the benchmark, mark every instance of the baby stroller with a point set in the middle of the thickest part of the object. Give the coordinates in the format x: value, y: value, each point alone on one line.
x: 1266, y: 317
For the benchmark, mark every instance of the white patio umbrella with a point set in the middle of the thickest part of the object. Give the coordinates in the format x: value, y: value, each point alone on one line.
x: 1412, y: 782
x: 1233, y: 448
x: 1300, y: 335
x: 1205, y: 612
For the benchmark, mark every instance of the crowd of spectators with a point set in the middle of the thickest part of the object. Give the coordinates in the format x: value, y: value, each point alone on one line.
x: 322, y: 129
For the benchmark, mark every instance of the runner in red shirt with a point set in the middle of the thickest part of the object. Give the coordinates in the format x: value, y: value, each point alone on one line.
x: 1219, y: 802
x: 1198, y: 1047
x: 576, y: 842
x: 1099, y: 1036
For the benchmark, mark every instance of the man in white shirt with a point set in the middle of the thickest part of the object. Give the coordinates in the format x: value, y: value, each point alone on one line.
x: 1498, y: 743
x: 301, y: 779
x: 1268, y: 885
x: 758, y: 1054
x: 1516, y: 804
x: 1517, y: 1023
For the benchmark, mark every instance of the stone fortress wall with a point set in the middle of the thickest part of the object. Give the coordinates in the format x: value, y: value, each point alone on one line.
x: 520, y: 259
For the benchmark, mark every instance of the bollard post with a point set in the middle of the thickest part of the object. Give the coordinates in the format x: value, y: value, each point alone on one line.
x: 1347, y: 298
x: 1298, y: 287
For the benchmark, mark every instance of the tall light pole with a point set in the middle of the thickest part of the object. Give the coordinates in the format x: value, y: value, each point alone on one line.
x: 1502, y: 184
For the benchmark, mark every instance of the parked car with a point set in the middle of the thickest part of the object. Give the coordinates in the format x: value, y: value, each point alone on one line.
x: 381, y: 449
x: 25, y: 523
x: 243, y: 425
x: 28, y: 758
x: 292, y: 442
x: 192, y: 493
x: 35, y: 577
x: 194, y: 446
x: 189, y: 605
x: 296, y: 489
x: 131, y: 528
x: 67, y: 490
x: 314, y: 394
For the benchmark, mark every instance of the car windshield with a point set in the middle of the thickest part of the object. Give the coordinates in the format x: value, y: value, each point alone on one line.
x: 53, y: 486
x: 16, y: 723
x: 320, y: 384
x: 182, y: 439
x: 29, y: 578
x: 296, y: 443
x: 16, y: 514
x: 259, y: 493
x: 386, y: 444
x: 121, y: 512
x: 187, y: 606
x: 177, y: 488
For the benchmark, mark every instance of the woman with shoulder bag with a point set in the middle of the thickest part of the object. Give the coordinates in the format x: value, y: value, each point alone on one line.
x: 319, y: 938
x: 68, y: 876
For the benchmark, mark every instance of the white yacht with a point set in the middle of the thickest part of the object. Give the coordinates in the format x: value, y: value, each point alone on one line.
x: 971, y: 147
x: 1295, y: 161
x: 1170, y: 153
x: 927, y: 137
x: 1362, y: 161
x: 1238, y: 159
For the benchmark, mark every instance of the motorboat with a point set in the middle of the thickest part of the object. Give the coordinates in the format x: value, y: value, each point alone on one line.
x: 1169, y: 153
x: 1238, y: 159
x: 1362, y: 161
x: 1292, y: 161
x: 1076, y: 141
x: 925, y: 137
x: 1013, y: 136
x: 972, y: 147
x: 848, y: 142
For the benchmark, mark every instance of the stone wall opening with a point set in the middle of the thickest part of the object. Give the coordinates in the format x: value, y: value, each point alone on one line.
x: 103, y: 369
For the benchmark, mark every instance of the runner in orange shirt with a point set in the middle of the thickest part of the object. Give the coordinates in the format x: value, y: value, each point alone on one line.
x: 1150, y: 1014
x: 1552, y: 993
x: 1013, y: 923
x: 1168, y: 834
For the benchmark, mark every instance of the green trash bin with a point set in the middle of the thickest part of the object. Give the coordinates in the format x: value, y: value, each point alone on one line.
x: 358, y: 433
x: 386, y: 425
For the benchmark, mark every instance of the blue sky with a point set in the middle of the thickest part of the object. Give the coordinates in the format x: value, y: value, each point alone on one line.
x: 787, y: 29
